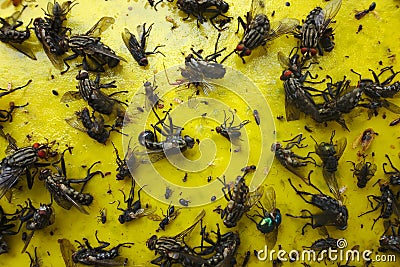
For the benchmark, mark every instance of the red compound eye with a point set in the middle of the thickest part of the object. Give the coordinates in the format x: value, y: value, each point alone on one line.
x: 36, y: 145
x: 239, y: 47
x: 313, y: 51
x: 248, y: 52
x: 41, y: 154
x: 286, y: 74
x: 303, y: 50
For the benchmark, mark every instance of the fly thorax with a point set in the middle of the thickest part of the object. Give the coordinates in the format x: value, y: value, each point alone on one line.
x: 257, y: 32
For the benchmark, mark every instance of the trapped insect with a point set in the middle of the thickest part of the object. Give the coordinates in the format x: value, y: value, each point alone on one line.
x: 10, y: 35
x: 390, y: 242
x: 361, y: 14
x: 174, y: 142
x: 90, y: 91
x: 240, y: 199
x: 270, y: 217
x: 394, y: 174
x: 334, y: 213
x: 365, y: 139
x: 316, y: 35
x: 57, y: 14
x: 90, y: 47
x: 387, y: 201
x: 289, y: 159
x: 171, y: 215
x: 127, y: 164
x: 174, y: 249
x: 364, y: 171
x: 60, y: 187
x: 34, y: 261
x: 199, y: 8
x: 5, y: 228
x: 230, y: 132
x: 19, y: 161
x: 35, y: 219
x: 138, y: 50
x: 88, y: 255
x: 152, y: 99
x: 134, y: 210
x: 258, y: 31
x: 9, y: 91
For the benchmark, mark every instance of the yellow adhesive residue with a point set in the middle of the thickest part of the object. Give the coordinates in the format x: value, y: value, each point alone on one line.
x: 375, y: 46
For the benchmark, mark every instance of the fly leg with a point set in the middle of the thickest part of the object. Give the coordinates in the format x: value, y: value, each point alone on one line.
x: 103, y: 244
x: 71, y: 57
x: 88, y: 177
x: 14, y: 89
x: 391, y: 164
x: 305, y: 217
x: 377, y: 199
x: 7, y: 115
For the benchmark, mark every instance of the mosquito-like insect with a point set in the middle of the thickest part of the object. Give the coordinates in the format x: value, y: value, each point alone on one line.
x: 138, y: 50
x: 127, y: 164
x: 230, y: 132
x: 10, y: 35
x: 258, y: 30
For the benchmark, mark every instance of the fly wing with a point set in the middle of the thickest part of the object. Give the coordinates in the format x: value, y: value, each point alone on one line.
x: 15, y: 16
x: 283, y: 60
x: 8, y: 177
x: 253, y: 197
x: 340, y: 147
x: 103, y: 24
x: 24, y: 50
x: 390, y: 106
x: 75, y: 123
x: 270, y: 199
x: 181, y: 235
x: 284, y: 26
x: 331, y: 182
x: 292, y: 112
x: 67, y: 249
x: 271, y: 238
x: 331, y: 9
x: 27, y: 241
x: 130, y: 40
x: 70, y: 96
x: 257, y: 7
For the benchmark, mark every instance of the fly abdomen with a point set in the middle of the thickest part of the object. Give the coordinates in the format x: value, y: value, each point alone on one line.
x: 22, y: 158
x: 257, y: 32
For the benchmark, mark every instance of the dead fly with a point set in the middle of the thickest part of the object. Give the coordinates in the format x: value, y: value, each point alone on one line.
x: 330, y: 154
x: 134, y: 210
x: 172, y: 213
x: 364, y: 171
x: 270, y: 217
x: 394, y: 175
x: 92, y: 125
x: 11, y: 90
x: 315, y: 34
x: 34, y: 261
x: 10, y: 35
x: 173, y: 249
x: 222, y: 250
x: 36, y: 219
x: 386, y: 201
x: 258, y: 30
x: 198, y: 69
x: 230, y: 132
x: 54, y: 45
x: 334, y: 213
x: 361, y: 14
x: 289, y: 159
x: 60, y: 187
x: 5, y: 228
x: 88, y: 255
x: 152, y: 99
x: 389, y: 242
x: 89, y: 91
x: 394, y: 122
x: 240, y: 200
x: 378, y: 91
x: 174, y: 142
x: 89, y: 45
x: 126, y: 165
x: 256, y: 117
x: 19, y: 161
x: 199, y: 8
x: 138, y: 50
x: 57, y: 14
x: 365, y: 139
